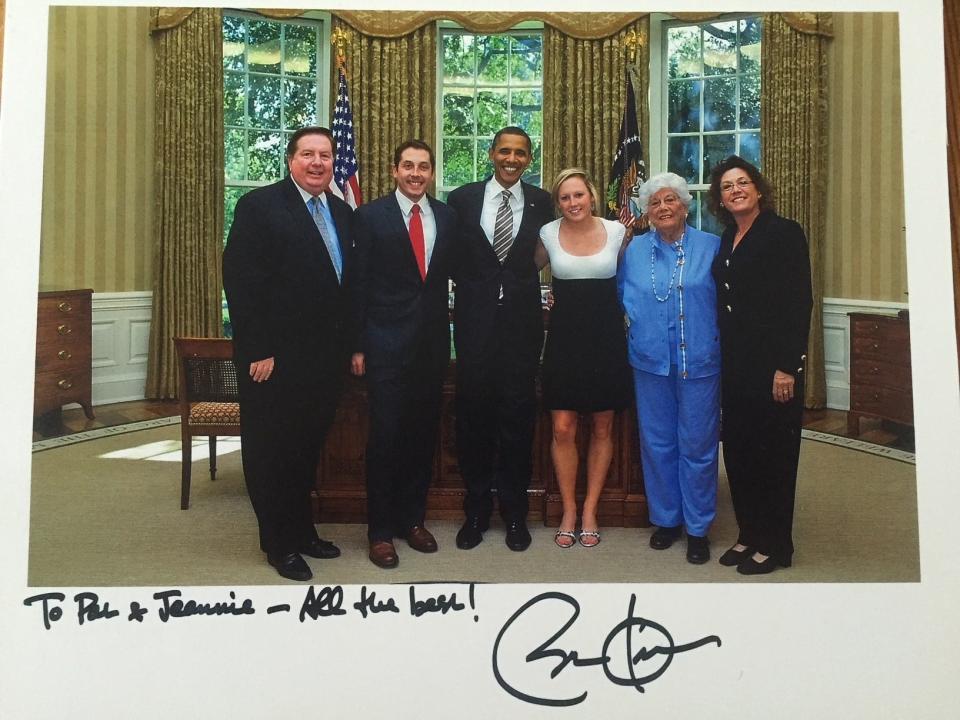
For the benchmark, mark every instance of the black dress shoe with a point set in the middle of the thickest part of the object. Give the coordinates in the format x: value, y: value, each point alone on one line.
x: 290, y: 565
x: 471, y: 533
x: 518, y: 537
x: 734, y: 557
x: 321, y: 549
x: 664, y: 537
x: 749, y: 566
x: 698, y: 549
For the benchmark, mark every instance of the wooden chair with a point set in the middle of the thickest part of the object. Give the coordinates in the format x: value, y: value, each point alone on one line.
x: 209, y: 403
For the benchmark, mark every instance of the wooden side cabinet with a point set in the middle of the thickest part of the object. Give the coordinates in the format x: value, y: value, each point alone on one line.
x: 880, y: 376
x: 64, y: 362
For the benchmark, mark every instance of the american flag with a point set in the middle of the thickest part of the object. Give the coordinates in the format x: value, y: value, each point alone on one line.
x: 346, y: 174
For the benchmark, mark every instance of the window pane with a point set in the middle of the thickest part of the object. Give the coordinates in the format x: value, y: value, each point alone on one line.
x: 299, y: 103
x: 300, y: 50
x: 720, y: 48
x: 458, y: 111
x: 715, y: 149
x: 750, y: 101
x: 263, y: 102
x: 526, y: 110
x: 526, y: 61
x: 684, y: 108
x: 750, y: 45
x: 484, y: 166
x: 233, y: 99
x: 457, y: 162
x: 692, y: 212
x: 750, y: 148
x: 491, y: 111
x: 264, y: 48
x: 458, y: 58
x: 533, y: 175
x: 492, y: 59
x: 234, y: 43
x: 708, y: 222
x: 234, y: 144
x: 265, y: 157
x: 684, y: 158
x: 230, y: 197
x: 683, y: 52
x: 720, y: 104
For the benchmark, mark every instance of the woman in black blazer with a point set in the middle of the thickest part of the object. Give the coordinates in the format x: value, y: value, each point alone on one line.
x: 762, y: 274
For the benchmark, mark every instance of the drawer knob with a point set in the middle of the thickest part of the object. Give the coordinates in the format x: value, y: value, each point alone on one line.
x: 64, y: 354
x: 875, y: 371
x: 876, y: 396
x: 64, y: 384
x: 876, y: 346
x: 64, y: 306
x: 63, y: 329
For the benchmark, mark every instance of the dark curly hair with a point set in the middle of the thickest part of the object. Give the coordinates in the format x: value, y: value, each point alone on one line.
x: 764, y: 189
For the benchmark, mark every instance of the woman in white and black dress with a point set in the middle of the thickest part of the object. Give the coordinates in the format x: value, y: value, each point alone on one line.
x: 585, y: 368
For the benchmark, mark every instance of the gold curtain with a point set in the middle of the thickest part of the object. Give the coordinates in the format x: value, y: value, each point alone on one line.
x: 793, y: 121
x: 393, y: 84
x: 584, y: 93
x: 189, y: 192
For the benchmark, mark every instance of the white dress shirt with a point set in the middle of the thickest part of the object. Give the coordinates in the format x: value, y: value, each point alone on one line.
x: 492, y: 198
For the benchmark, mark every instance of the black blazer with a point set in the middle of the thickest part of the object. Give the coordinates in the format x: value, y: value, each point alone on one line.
x: 764, y: 301
x: 394, y: 312
x: 281, y: 286
x: 479, y: 276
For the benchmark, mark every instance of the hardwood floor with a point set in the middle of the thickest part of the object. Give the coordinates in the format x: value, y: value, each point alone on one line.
x: 72, y: 420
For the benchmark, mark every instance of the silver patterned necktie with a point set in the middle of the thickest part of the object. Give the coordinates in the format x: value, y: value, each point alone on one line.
x: 503, y: 228
x: 328, y: 240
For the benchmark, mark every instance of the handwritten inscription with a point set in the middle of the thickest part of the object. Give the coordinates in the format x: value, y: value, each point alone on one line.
x: 638, y: 668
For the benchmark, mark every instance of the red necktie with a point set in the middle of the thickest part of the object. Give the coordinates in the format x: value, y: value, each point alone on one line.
x: 416, y: 239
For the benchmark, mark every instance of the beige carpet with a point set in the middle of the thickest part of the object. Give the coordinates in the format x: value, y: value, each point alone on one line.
x: 106, y: 512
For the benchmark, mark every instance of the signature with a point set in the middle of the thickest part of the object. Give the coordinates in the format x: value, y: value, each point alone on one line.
x: 643, y: 666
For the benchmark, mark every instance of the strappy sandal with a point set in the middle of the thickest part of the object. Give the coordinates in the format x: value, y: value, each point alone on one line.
x: 568, y: 535
x: 595, y: 534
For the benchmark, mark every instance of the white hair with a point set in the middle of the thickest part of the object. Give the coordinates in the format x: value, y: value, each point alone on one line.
x: 663, y: 181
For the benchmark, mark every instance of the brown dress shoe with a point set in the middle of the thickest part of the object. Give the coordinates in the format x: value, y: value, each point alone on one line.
x: 383, y: 554
x: 420, y: 539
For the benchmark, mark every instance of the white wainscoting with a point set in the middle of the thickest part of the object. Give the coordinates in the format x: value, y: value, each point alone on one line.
x: 836, y: 343
x: 121, y: 340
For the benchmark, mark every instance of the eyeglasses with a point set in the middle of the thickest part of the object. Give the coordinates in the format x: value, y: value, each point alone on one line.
x: 740, y: 183
x: 668, y: 200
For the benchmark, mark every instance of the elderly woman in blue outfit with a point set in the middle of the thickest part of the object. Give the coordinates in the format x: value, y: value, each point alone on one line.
x: 669, y: 297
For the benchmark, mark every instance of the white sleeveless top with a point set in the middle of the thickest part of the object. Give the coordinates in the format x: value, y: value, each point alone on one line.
x: 602, y: 264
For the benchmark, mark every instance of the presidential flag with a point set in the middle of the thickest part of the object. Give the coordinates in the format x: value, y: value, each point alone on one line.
x: 627, y: 172
x: 346, y: 174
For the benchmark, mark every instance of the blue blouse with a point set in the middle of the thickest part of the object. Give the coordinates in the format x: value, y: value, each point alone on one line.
x: 653, y: 305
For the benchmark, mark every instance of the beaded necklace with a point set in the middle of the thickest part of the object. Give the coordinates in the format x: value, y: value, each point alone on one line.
x: 677, y: 276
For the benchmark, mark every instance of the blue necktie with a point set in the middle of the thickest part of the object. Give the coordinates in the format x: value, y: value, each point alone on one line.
x: 333, y: 248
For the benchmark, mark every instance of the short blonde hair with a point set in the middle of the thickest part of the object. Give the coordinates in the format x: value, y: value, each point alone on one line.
x: 575, y: 172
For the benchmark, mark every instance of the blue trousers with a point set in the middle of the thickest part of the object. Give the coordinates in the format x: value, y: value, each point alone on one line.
x: 679, y: 424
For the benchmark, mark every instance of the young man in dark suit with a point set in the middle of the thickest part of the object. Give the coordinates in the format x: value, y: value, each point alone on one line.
x: 283, y: 270
x: 498, y: 330
x: 404, y: 252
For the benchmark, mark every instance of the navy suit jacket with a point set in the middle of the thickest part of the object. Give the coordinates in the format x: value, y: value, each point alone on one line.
x: 479, y: 276
x: 396, y: 313
x: 281, y: 286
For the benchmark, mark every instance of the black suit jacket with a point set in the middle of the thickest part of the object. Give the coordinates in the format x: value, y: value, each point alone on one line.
x: 281, y: 286
x: 479, y: 276
x: 396, y: 313
x: 764, y: 302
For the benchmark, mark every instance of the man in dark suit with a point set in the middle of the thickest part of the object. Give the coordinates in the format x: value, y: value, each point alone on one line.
x: 283, y: 271
x: 498, y: 330
x: 404, y: 251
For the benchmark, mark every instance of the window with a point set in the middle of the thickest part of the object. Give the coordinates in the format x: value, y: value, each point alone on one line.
x: 275, y: 77
x: 709, y: 101
x: 486, y: 83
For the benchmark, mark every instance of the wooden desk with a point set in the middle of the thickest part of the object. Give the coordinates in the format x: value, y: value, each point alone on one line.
x: 64, y: 365
x: 341, y: 490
